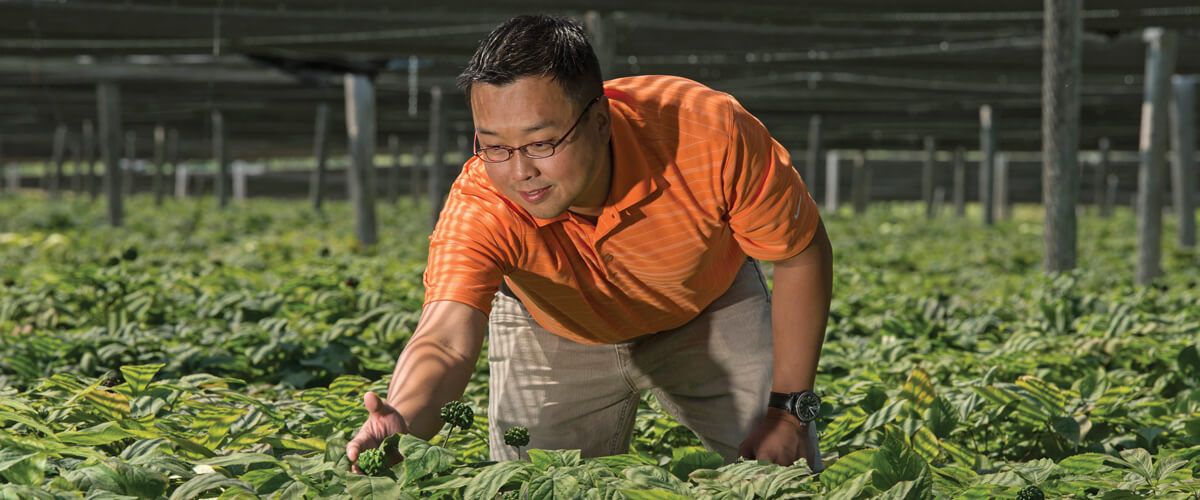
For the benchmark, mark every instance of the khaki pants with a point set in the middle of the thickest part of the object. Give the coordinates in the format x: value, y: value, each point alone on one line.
x: 712, y: 374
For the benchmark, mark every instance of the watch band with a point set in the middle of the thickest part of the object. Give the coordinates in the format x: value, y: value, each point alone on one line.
x: 790, y: 403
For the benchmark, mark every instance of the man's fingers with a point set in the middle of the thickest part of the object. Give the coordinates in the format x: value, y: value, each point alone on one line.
x: 372, y: 402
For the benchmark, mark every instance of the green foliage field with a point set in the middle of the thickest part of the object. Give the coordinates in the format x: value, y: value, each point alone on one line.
x: 206, y: 354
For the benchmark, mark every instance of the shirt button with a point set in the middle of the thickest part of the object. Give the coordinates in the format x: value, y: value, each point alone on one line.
x: 608, y: 257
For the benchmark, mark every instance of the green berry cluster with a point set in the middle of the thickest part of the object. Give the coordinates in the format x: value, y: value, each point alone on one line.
x: 458, y: 414
x: 516, y: 436
x: 1031, y: 493
x: 372, y: 462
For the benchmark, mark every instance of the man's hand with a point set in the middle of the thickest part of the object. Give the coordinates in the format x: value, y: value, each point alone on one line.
x: 382, y: 421
x: 781, y: 438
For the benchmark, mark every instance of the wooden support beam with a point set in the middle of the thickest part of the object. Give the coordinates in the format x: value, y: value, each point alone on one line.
x: 859, y: 187
x: 414, y: 174
x: 89, y: 159
x: 360, y: 133
x: 927, y: 180
x: 393, y: 179
x: 1152, y: 149
x: 108, y: 102
x: 221, y: 157
x: 603, y: 36
x: 813, y: 155
x: 127, y: 164
x: 54, y: 170
x: 172, y: 151
x: 1003, y: 209
x: 1110, y: 195
x: 987, y: 151
x: 1100, y: 174
x: 960, y: 182
x: 831, y: 182
x: 414, y: 88
x: 1183, y: 168
x: 316, y: 183
x: 1061, y: 79
x: 76, y: 165
x: 437, y: 148
x: 160, y: 158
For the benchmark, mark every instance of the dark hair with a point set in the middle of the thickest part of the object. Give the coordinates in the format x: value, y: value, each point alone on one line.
x: 537, y: 45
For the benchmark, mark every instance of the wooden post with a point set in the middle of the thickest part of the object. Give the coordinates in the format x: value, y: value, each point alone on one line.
x: 239, y: 181
x: 960, y: 182
x: 1061, y: 77
x: 414, y: 174
x: 1183, y: 134
x: 108, y: 101
x: 127, y: 165
x: 1152, y: 148
x: 393, y: 182
x: 831, y: 182
x: 1100, y: 175
x: 939, y: 200
x: 221, y: 157
x: 76, y: 166
x: 604, y: 39
x: 172, y: 151
x: 181, y: 181
x: 858, y: 187
x: 437, y: 147
x: 1110, y: 195
x: 927, y: 175
x: 1002, y: 209
x: 160, y: 158
x: 89, y: 159
x: 987, y: 150
x: 414, y: 90
x: 360, y: 133
x: 813, y: 155
x: 316, y: 183
x: 54, y: 171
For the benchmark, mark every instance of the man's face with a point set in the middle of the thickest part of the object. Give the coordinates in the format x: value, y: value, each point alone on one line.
x: 536, y: 109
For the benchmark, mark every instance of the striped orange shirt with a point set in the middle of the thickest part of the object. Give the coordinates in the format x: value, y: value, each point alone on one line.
x: 697, y: 185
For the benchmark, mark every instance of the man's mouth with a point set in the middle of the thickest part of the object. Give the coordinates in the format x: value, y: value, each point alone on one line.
x: 535, y: 195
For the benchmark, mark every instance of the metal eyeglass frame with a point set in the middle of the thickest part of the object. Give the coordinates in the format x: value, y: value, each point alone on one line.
x: 524, y: 149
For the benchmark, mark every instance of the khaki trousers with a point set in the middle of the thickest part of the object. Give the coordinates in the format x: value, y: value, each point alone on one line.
x: 712, y: 374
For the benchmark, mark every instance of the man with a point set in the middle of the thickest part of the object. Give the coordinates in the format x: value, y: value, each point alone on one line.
x: 605, y: 228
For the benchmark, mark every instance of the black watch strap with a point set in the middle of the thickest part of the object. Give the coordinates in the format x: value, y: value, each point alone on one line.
x: 799, y: 404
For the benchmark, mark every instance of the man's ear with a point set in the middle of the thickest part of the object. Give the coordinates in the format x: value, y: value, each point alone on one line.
x: 603, y: 119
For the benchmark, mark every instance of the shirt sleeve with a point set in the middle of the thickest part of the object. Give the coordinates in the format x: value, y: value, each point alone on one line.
x: 772, y: 215
x: 470, y: 250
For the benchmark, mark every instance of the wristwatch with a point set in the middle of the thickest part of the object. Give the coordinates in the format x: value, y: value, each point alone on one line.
x: 805, y: 405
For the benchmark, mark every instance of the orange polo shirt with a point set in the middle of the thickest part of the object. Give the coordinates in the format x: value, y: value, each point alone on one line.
x: 697, y: 185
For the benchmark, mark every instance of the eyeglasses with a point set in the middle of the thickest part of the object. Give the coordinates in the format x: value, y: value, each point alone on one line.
x: 533, y: 150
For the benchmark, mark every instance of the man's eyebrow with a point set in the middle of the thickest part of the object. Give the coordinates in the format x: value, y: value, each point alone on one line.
x: 536, y: 127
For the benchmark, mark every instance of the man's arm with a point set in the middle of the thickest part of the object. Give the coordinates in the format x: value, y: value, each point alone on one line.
x: 437, y: 364
x: 799, y: 312
x: 433, y: 369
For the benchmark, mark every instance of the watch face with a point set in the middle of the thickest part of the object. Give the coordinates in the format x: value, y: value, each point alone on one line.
x: 808, y: 406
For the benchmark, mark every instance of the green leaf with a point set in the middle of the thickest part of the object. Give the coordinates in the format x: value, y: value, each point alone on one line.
x: 918, y: 390
x: 139, y: 376
x: 941, y: 417
x: 21, y: 468
x: 687, y: 459
x: 203, y: 483
x: 421, y: 459
x: 544, y: 459
x: 557, y: 485
x: 896, y: 461
x: 652, y: 494
x: 489, y: 481
x: 841, y: 427
x: 884, y: 416
x: 848, y: 467
x: 1083, y: 464
x: 853, y: 489
x: 96, y: 435
x: 926, y: 444
x: 375, y: 488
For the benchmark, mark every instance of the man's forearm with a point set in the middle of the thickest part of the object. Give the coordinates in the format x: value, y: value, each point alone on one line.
x: 799, y: 312
x: 436, y: 365
x: 427, y: 375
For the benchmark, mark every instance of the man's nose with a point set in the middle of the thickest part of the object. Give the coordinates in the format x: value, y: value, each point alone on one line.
x: 523, y: 168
